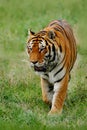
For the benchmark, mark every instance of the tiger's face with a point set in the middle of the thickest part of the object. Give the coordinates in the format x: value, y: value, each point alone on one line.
x: 40, y: 52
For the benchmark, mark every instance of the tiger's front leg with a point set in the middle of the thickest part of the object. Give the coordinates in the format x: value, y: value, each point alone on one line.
x: 60, y: 90
x: 47, y: 91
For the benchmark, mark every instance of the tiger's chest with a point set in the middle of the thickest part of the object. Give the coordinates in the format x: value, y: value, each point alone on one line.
x: 49, y: 77
x: 55, y: 75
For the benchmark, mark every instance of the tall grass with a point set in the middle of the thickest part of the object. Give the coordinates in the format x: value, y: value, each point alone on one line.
x: 21, y: 105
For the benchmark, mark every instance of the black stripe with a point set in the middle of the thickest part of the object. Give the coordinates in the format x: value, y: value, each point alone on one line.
x: 49, y: 54
x: 42, y: 31
x: 59, y: 79
x: 63, y: 57
x: 53, y: 67
x: 46, y: 75
x: 54, y: 53
x: 53, y: 49
x: 60, y: 68
x: 69, y: 77
x: 57, y: 29
x: 60, y: 27
x: 46, y: 42
x: 59, y: 71
x: 55, y: 22
x: 49, y: 41
x: 60, y: 47
x: 49, y: 51
x: 61, y: 22
x: 63, y: 30
x: 50, y: 88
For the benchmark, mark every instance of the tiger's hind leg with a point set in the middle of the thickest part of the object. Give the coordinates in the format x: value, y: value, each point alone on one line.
x: 47, y: 91
x: 60, y: 90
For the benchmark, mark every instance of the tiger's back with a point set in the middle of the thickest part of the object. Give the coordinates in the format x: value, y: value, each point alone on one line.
x: 67, y: 40
x: 52, y: 53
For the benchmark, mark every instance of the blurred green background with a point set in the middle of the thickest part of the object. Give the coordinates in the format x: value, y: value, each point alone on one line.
x: 21, y: 105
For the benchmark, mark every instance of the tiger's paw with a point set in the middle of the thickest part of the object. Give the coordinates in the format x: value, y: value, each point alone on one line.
x: 55, y: 111
x: 46, y: 101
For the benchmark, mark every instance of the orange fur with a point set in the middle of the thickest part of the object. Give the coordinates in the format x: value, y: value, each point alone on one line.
x: 56, y: 39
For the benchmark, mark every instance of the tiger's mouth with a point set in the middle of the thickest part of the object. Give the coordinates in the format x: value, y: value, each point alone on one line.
x: 40, y: 69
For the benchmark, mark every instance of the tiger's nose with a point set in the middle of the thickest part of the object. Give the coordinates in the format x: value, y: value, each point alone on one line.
x: 34, y: 62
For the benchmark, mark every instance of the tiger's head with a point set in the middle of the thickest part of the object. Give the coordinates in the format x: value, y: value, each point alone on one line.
x: 41, y: 50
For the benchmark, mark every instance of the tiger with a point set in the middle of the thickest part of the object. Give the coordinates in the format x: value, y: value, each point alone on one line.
x: 52, y: 53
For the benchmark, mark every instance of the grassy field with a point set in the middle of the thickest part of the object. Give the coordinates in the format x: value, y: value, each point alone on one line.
x: 21, y: 105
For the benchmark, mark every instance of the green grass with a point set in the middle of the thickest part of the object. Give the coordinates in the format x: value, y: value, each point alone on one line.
x: 21, y: 105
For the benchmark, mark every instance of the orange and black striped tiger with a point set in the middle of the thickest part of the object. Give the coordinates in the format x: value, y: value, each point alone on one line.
x: 52, y: 54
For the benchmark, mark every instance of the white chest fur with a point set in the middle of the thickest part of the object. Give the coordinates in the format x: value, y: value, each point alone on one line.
x: 51, y: 77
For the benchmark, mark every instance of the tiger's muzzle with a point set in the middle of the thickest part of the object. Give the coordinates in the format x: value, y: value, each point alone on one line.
x: 38, y: 67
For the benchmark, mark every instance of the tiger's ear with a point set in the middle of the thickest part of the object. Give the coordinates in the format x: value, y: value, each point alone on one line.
x: 51, y: 34
x: 30, y: 33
